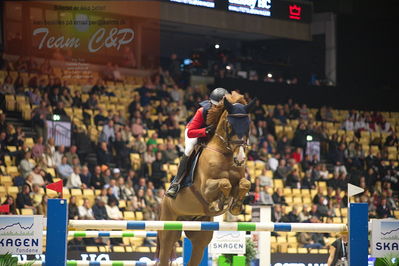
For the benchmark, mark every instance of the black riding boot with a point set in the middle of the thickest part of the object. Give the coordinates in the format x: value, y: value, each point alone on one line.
x: 175, y: 186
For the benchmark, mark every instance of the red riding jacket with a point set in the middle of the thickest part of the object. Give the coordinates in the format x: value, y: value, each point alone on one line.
x: 196, y: 127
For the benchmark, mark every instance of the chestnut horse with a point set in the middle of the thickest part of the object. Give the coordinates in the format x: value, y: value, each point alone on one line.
x: 219, y: 179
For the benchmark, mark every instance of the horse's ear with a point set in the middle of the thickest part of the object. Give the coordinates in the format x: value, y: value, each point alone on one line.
x: 227, y: 105
x: 249, y: 107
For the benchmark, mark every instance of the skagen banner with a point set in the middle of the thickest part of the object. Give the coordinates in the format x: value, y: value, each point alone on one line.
x: 21, y: 234
x: 83, y: 32
x: 384, y: 237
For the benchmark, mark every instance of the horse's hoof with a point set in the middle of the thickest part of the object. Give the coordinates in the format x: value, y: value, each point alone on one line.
x: 214, y: 206
x: 236, y: 209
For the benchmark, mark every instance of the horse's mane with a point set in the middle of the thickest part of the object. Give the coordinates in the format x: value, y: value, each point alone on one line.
x: 216, y: 111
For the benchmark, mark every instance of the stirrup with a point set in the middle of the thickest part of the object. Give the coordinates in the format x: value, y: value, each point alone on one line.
x: 176, y: 187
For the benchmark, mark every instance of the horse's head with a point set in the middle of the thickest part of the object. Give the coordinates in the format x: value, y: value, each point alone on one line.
x: 237, y: 129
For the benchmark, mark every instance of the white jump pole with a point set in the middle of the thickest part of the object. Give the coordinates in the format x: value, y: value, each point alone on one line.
x: 206, y: 226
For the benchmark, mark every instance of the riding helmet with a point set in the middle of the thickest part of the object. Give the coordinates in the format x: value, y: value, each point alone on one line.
x: 217, y: 95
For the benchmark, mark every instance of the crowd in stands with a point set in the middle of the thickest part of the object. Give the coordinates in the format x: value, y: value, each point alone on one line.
x: 359, y: 147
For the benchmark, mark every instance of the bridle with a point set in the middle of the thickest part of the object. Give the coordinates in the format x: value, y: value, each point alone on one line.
x: 228, y: 143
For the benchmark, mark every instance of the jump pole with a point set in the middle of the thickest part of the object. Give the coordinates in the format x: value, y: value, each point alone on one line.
x: 57, y: 227
x: 207, y: 226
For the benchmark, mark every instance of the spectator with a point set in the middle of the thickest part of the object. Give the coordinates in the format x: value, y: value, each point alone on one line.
x: 108, y: 133
x: 37, y: 177
x: 391, y: 202
x: 152, y: 205
x: 338, y: 250
x: 121, y: 152
x: 120, y: 188
x: 7, y: 87
x: 48, y: 158
x: 113, y: 211
x: 138, y: 202
x: 11, y: 202
x: 26, y: 166
x: 24, y: 200
x: 85, y: 211
x: 99, y: 210
x: 64, y: 170
x: 104, y: 157
x: 392, y: 140
x: 39, y: 115
x: 293, y: 179
x: 276, y: 213
x: 59, y: 110
x: 74, y: 179
x: 38, y: 148
x: 297, y: 155
x: 304, y: 215
x: 77, y: 100
x: 82, y: 140
x: 320, y: 193
x: 292, y: 216
x: 383, y: 209
x: 308, y: 182
x: 306, y: 240
x: 137, y: 128
x: 34, y: 97
x: 282, y: 171
x: 72, y: 154
x: 29, y: 182
x: 339, y: 159
x: 170, y: 154
x: 97, y: 180
x: 85, y: 177
x: 278, y: 197
x: 42, y: 207
x: 92, y: 102
x: 158, y: 176
x: 57, y: 157
x: 66, y: 98
x: 100, y: 119
x: 322, y: 209
x: 73, y: 211
x: 141, y: 184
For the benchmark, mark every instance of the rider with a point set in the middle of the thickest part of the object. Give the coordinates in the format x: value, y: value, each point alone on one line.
x: 195, y: 129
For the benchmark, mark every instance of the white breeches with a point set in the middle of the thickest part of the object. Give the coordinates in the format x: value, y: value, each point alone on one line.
x: 189, y: 144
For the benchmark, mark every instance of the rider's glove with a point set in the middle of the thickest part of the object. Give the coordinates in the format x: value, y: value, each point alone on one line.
x: 209, y: 130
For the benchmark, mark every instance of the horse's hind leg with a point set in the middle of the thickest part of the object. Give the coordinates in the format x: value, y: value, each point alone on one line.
x: 239, y: 194
x: 199, y: 241
x: 167, y: 239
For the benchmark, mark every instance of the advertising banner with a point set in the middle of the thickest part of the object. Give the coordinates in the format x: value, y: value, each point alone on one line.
x: 227, y: 243
x: 384, y: 237
x: 21, y: 234
x: 80, y: 32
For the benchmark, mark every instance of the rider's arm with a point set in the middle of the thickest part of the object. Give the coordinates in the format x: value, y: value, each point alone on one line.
x: 196, y: 129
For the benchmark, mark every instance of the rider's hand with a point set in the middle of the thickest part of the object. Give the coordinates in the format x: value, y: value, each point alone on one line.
x: 210, y: 130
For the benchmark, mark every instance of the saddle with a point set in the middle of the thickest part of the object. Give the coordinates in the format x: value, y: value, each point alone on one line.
x: 188, y: 178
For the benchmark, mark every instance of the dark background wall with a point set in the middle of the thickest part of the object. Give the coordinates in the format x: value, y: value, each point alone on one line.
x: 340, y: 97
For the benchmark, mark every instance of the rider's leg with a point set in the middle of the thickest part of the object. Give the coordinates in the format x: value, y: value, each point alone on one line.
x: 189, y: 147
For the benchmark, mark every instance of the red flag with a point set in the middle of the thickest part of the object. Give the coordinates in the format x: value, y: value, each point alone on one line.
x: 57, y: 186
x: 5, y: 208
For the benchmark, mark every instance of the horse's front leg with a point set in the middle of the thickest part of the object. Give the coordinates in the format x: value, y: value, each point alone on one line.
x: 216, y: 192
x: 239, y: 194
